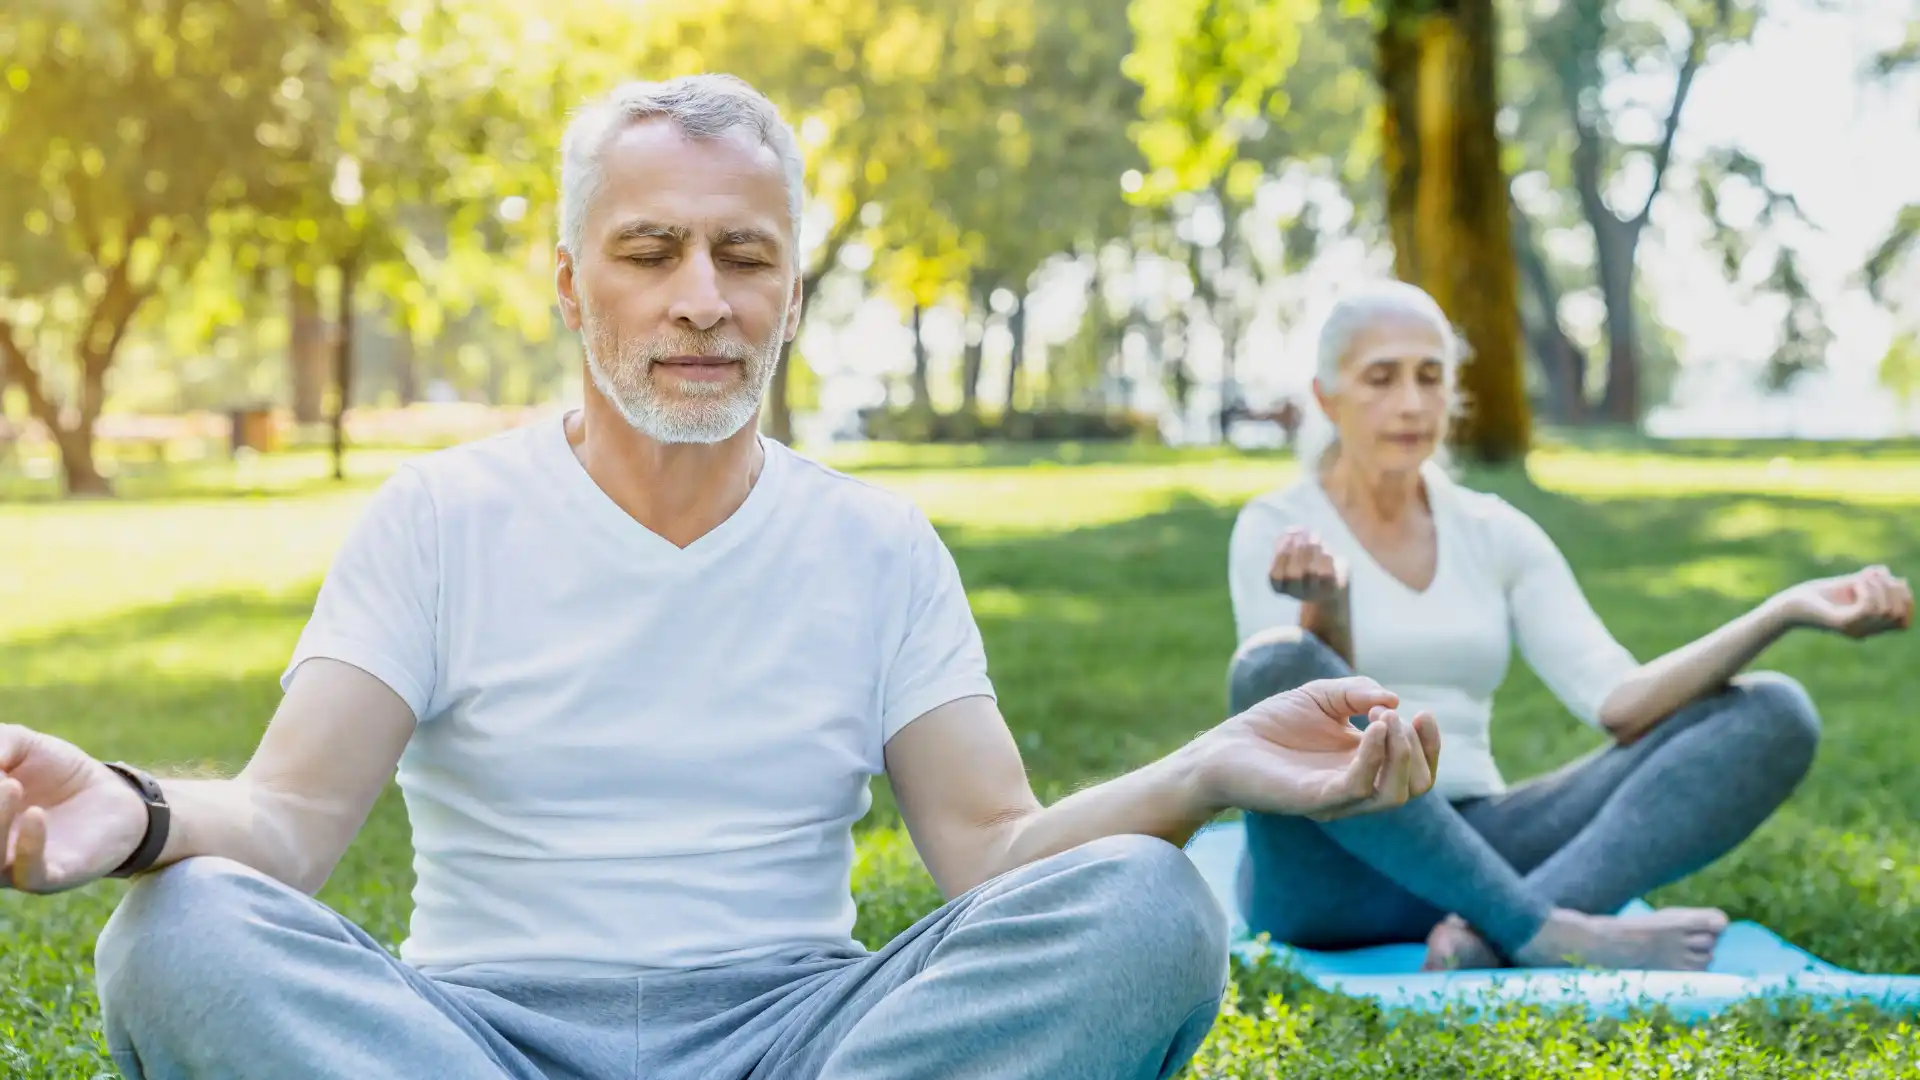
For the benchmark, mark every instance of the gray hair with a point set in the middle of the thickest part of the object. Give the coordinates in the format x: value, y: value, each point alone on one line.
x: 1356, y: 309
x: 702, y: 106
x: 1352, y: 312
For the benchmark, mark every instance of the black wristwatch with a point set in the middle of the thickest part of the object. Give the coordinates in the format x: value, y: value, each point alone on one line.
x: 158, y: 816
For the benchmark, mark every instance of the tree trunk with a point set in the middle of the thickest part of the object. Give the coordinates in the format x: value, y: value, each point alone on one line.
x: 1563, y: 363
x: 779, y: 406
x: 105, y: 328
x: 1099, y: 330
x: 1017, y: 356
x: 1616, y: 237
x: 778, y: 418
x: 406, y: 370
x: 82, y: 476
x: 1447, y: 203
x: 1123, y: 380
x: 1615, y: 245
x: 972, y: 358
x: 1226, y: 316
x: 922, y: 395
x: 307, y: 354
x: 1560, y: 362
x: 95, y: 357
x: 1398, y: 48
x: 343, y: 365
x: 1170, y: 361
x: 79, y: 472
x: 971, y: 363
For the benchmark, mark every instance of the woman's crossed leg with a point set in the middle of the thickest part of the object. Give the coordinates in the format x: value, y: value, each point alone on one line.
x: 1537, y: 872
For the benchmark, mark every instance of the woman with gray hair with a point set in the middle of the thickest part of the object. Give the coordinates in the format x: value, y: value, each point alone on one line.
x: 1376, y: 562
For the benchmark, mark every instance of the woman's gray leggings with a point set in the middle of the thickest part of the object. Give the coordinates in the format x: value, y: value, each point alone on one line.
x: 1590, y: 837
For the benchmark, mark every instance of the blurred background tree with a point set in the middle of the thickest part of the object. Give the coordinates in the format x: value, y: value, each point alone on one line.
x: 1216, y: 72
x: 1079, y: 219
x: 1447, y: 201
x: 132, y: 136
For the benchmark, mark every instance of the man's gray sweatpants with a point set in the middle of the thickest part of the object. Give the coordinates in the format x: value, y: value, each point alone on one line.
x: 1107, y: 961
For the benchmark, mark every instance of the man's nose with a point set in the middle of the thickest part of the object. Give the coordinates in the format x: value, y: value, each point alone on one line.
x: 697, y: 298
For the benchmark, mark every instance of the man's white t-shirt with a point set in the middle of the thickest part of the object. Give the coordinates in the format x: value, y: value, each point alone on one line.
x: 630, y: 755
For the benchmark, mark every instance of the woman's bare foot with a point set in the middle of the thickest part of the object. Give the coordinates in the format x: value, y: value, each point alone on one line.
x: 1676, y: 939
x: 1453, y: 946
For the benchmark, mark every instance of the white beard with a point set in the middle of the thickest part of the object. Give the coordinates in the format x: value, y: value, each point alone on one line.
x: 698, y: 412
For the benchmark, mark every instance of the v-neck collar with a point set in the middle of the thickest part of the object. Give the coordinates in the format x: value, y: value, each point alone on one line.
x: 1436, y: 481
x: 607, y: 516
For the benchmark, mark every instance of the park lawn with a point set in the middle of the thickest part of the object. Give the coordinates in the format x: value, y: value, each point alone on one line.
x: 153, y: 628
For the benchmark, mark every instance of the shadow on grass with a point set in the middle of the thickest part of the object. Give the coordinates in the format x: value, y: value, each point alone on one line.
x: 194, y: 615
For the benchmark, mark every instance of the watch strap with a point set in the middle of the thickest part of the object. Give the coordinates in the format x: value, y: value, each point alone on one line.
x: 159, y: 817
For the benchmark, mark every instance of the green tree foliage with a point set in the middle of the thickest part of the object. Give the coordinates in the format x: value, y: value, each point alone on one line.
x: 964, y: 141
x: 434, y: 120
x: 1233, y: 95
x: 279, y: 167
x: 870, y: 87
x: 1037, y: 175
x: 1902, y: 239
x: 1900, y: 369
x: 208, y: 149
x: 1215, y: 77
x: 1228, y: 95
x: 1211, y: 73
x: 129, y: 134
x: 1575, y: 132
x: 1235, y: 91
x: 1896, y: 66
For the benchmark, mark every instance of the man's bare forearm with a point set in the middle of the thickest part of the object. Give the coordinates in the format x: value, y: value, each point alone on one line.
x: 240, y: 820
x: 322, y: 763
x: 1162, y: 799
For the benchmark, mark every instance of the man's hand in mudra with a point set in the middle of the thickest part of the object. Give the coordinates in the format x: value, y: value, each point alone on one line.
x: 1298, y: 753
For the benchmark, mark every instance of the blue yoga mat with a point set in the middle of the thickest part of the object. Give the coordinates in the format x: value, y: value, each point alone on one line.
x: 1752, y: 961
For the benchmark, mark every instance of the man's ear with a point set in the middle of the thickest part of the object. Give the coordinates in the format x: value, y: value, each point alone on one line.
x: 563, y: 283
x: 793, y: 308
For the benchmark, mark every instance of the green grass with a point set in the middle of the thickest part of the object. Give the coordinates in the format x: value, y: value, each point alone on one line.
x: 153, y: 627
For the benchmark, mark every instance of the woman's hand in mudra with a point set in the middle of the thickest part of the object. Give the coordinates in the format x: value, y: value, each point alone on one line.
x: 1297, y: 753
x: 1306, y: 570
x: 1860, y: 604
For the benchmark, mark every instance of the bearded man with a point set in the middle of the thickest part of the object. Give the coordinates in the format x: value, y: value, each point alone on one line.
x: 634, y: 669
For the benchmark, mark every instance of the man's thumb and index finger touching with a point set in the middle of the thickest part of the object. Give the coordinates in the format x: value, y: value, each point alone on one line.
x: 1353, y: 695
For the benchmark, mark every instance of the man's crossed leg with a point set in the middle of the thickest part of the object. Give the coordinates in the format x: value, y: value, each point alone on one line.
x: 1105, y: 961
